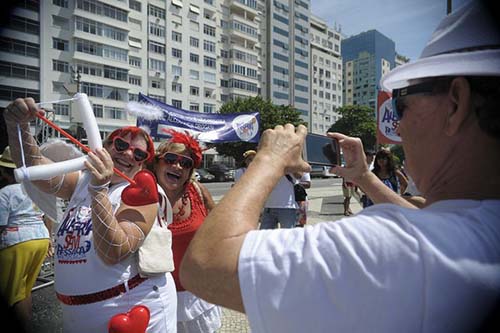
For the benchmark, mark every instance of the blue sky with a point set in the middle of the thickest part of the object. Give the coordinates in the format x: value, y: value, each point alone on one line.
x: 409, y: 23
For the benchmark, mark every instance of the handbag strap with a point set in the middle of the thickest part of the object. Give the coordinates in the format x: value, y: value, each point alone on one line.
x: 164, y: 210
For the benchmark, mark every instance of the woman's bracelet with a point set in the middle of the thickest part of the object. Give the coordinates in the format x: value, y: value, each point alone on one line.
x: 97, y: 188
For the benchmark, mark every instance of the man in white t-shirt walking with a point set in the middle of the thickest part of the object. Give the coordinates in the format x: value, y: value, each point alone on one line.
x: 391, y: 267
x: 281, y: 206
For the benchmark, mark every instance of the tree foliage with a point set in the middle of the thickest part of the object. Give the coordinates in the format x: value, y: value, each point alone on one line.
x: 357, y: 121
x: 270, y: 116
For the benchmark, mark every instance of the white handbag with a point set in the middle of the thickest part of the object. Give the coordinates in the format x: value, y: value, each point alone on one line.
x: 155, y: 254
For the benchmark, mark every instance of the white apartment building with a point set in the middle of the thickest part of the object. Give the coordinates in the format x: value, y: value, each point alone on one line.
x: 326, y: 75
x: 192, y: 54
x: 285, y: 54
x: 240, y: 65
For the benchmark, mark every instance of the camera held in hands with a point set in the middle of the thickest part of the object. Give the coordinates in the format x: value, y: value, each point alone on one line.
x: 321, y: 150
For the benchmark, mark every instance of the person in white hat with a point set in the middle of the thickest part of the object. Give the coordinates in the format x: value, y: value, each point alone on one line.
x: 24, y: 241
x: 391, y: 267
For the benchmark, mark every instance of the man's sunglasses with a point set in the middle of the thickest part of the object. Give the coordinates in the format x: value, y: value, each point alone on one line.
x: 172, y: 158
x: 122, y: 145
x: 398, y: 95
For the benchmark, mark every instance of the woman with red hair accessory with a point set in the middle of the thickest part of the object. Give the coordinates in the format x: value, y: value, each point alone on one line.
x: 174, y: 166
x: 105, y: 223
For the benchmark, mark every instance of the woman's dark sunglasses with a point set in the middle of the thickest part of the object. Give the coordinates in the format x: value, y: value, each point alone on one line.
x: 398, y: 95
x: 122, y: 145
x: 172, y: 158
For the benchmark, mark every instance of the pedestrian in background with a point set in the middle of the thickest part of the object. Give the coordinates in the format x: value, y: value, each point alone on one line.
x: 385, y: 169
x: 247, y: 159
x: 24, y: 242
x: 300, y: 193
x: 392, y: 267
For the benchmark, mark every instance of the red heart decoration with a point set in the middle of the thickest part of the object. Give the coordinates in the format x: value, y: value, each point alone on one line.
x: 136, y: 320
x: 143, y: 192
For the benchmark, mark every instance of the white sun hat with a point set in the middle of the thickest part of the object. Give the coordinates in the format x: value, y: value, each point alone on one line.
x: 466, y: 42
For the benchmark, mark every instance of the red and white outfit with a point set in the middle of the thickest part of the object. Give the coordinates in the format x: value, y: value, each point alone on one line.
x: 90, y: 291
x: 193, y: 313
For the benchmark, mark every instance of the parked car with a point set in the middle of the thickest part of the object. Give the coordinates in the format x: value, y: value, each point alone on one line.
x: 221, y: 172
x: 321, y: 171
x: 203, y: 176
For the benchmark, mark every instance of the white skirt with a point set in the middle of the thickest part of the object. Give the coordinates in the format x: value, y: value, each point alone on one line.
x: 195, y: 315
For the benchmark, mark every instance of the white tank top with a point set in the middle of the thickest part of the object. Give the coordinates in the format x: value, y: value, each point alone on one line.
x: 78, y: 268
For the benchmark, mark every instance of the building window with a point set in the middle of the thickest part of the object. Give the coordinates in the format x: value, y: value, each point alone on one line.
x: 60, y: 44
x: 134, y: 62
x: 177, y: 104
x: 194, y: 42
x: 89, y: 69
x: 135, y: 80
x: 194, y: 91
x: 208, y: 30
x: 60, y: 66
x: 98, y: 110
x: 134, y: 5
x: 176, y: 87
x: 114, y: 112
x: 61, y: 109
x: 156, y: 29
x: 176, y: 53
x: 209, y: 46
x: 115, y: 73
x: 61, y: 3
x: 209, y: 77
x: 24, y: 25
x: 194, y: 75
x: 176, y: 36
x: 194, y: 58
x: 157, y: 65
x: 10, y: 93
x: 156, y: 12
x: 279, y: 95
x: 209, y: 62
x: 156, y: 84
x: 208, y: 108
x: 158, y: 98
x: 176, y: 70
x: 19, y: 71
x: 19, y: 47
x: 195, y: 107
x: 156, y: 47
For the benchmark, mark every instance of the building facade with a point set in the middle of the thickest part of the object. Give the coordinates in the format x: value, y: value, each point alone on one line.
x: 366, y: 57
x: 286, y: 53
x: 193, y: 55
x: 326, y: 75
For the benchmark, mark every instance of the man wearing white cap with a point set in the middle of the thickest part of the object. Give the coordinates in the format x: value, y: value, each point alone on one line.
x: 392, y: 267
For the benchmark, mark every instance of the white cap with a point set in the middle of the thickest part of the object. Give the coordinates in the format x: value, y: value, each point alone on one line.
x: 467, y: 42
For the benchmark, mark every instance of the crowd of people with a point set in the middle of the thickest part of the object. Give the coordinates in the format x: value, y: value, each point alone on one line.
x: 400, y: 265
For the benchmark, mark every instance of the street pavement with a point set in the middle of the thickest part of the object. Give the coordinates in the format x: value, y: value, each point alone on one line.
x: 325, y: 204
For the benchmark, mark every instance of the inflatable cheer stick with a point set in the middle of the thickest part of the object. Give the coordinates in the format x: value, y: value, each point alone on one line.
x: 47, y: 171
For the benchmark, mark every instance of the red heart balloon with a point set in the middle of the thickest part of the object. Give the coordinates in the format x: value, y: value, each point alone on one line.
x: 136, y: 320
x: 143, y: 192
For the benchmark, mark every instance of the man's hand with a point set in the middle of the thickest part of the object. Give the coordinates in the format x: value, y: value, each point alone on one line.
x: 284, y: 145
x: 355, y: 160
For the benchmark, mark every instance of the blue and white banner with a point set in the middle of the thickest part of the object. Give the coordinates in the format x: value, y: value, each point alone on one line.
x: 208, y: 127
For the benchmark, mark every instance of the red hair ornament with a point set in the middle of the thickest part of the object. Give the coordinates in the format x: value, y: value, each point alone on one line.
x: 189, y: 142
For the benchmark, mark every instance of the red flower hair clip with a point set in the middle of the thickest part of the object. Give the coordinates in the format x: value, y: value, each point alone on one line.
x: 189, y: 142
